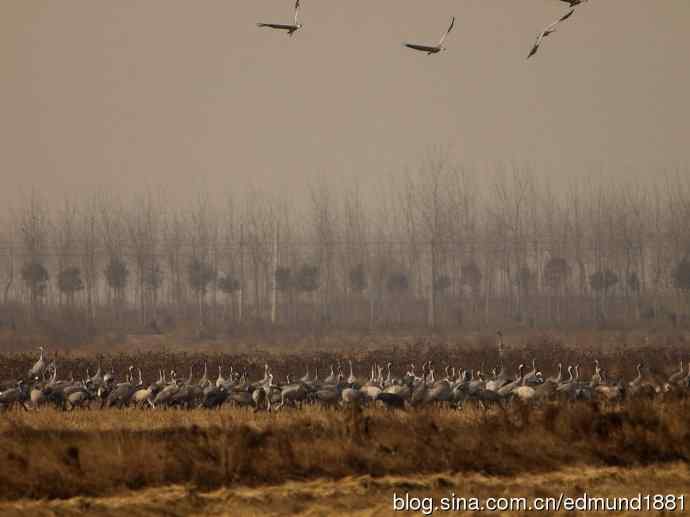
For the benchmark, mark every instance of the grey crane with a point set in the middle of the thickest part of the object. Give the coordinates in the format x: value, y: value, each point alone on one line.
x: 292, y: 393
x: 532, y: 377
x: 498, y: 381
x: 506, y: 389
x: 120, y: 394
x: 432, y: 49
x: 204, y: 381
x: 306, y: 378
x: 677, y: 376
x: 17, y: 395
x: 220, y: 381
x: 550, y: 29
x: 290, y: 28
x: 332, y: 378
x: 143, y: 395
x: 214, y: 398
x: 78, y: 396
x: 39, y: 367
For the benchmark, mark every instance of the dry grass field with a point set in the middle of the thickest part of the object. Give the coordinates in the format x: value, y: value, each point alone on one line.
x: 46, y: 454
x: 315, y: 461
x: 363, y: 496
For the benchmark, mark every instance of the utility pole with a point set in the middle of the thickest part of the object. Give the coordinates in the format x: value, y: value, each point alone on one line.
x: 274, y: 283
x: 432, y: 304
x: 240, y: 309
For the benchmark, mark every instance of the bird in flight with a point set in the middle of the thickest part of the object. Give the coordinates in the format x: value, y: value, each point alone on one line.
x: 573, y: 3
x: 546, y: 32
x: 432, y: 49
x: 291, y: 28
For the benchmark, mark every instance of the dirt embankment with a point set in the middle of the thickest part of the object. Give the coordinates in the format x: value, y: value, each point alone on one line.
x: 111, y: 451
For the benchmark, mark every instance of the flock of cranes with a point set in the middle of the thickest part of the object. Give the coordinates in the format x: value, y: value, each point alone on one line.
x: 291, y: 28
x: 414, y: 388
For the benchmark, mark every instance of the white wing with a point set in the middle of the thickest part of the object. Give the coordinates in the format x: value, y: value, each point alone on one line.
x: 549, y: 29
x: 452, y: 24
x: 561, y: 19
x: 536, y: 45
x: 297, y: 12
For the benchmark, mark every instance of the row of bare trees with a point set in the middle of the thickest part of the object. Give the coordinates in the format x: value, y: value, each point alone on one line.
x: 446, y: 247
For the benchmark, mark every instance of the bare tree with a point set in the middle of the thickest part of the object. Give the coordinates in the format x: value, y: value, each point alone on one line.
x: 34, y: 228
x: 511, y: 194
x: 202, y: 270
x: 258, y: 229
x: 463, y: 201
x: 324, y: 221
x: 116, y: 272
x: 9, y: 257
x: 577, y: 215
x: 69, y: 274
x: 354, y: 259
x: 430, y: 194
x: 144, y: 232
x: 230, y: 281
x: 511, y: 247
x: 88, y: 230
x: 175, y: 237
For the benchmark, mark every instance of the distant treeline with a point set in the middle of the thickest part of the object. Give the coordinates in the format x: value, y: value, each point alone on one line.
x: 437, y: 250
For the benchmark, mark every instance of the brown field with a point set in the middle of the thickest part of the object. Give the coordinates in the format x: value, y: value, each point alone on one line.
x: 315, y: 461
x: 619, y: 351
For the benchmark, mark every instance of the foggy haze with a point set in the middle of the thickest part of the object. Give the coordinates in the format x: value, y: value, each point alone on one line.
x: 193, y: 96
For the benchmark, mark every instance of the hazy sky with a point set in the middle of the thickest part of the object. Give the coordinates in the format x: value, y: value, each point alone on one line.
x: 125, y: 94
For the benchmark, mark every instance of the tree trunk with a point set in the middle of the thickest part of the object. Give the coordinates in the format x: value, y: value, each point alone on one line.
x: 274, y: 283
x: 432, y: 304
